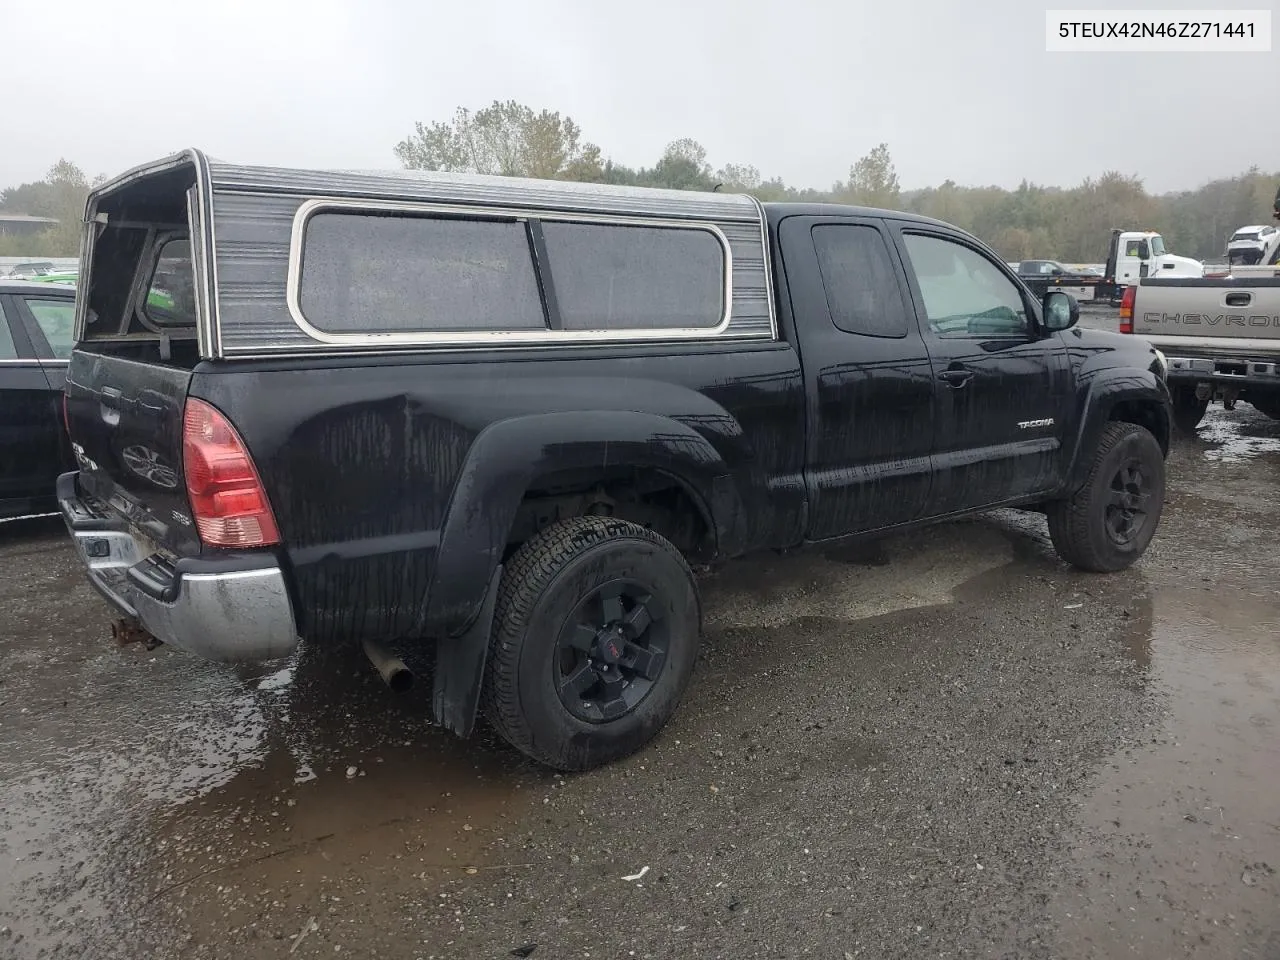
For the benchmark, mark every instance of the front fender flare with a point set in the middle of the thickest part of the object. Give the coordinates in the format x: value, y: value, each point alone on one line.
x: 1105, y: 391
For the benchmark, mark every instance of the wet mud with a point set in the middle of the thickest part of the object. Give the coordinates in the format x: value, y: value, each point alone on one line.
x: 941, y: 744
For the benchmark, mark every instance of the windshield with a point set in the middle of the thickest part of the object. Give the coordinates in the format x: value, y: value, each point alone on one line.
x: 1157, y: 245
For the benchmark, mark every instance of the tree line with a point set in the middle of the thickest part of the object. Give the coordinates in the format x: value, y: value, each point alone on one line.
x: 508, y: 138
x: 59, y: 196
x: 1073, y: 224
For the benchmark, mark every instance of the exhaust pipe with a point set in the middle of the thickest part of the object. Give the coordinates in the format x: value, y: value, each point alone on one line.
x: 391, y: 668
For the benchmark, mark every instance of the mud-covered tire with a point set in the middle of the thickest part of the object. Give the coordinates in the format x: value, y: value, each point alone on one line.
x: 1267, y: 404
x: 1083, y: 528
x: 1188, y: 411
x: 543, y: 590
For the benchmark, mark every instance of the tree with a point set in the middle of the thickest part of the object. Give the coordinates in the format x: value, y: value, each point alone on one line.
x: 1112, y: 200
x: 683, y: 166
x: 873, y: 181
x: 738, y: 177
x: 505, y: 138
x: 60, y: 196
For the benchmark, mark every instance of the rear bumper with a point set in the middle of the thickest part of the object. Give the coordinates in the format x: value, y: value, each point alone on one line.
x: 1242, y: 372
x: 231, y: 610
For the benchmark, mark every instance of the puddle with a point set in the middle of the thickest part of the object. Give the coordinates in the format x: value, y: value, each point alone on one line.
x: 214, y: 787
x: 904, y: 572
x: 1239, y: 435
x: 1182, y: 832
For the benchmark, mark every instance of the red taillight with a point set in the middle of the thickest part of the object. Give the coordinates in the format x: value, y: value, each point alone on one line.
x: 226, y: 493
x: 1126, y: 309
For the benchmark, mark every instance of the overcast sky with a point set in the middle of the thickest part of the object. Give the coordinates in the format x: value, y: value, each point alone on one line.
x: 800, y: 88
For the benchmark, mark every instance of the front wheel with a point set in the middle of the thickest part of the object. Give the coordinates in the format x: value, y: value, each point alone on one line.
x: 1108, y: 523
x: 1188, y: 410
x: 596, y: 630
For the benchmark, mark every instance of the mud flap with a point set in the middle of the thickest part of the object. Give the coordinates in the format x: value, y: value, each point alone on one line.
x: 460, y: 664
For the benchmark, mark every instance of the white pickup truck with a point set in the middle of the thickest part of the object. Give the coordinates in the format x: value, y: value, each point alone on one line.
x: 1220, y: 338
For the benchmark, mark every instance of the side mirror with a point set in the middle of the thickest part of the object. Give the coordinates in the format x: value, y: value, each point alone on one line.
x: 1058, y: 271
x: 1061, y: 311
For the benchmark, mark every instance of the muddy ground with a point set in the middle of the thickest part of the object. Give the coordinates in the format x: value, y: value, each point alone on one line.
x: 946, y: 745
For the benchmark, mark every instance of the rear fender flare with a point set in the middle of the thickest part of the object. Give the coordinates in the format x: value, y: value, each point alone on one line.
x: 507, y: 456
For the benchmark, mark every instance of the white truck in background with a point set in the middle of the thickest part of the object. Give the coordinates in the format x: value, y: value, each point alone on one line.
x: 1133, y: 255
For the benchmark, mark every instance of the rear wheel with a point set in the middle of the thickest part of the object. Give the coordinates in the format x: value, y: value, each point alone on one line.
x: 596, y: 631
x: 1267, y: 403
x: 1188, y: 411
x: 1111, y: 519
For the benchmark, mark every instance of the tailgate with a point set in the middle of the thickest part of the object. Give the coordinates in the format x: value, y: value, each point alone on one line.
x: 139, y: 313
x: 1226, y: 310
x: 125, y: 421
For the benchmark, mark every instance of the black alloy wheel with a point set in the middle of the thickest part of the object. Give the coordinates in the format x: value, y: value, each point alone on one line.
x: 1128, y: 503
x: 610, y: 651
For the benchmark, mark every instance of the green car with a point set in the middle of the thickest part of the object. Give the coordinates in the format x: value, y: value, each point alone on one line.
x: 61, y: 276
x: 162, y: 300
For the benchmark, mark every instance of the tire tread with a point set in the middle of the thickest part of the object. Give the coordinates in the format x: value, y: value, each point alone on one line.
x: 528, y: 574
x: 1071, y: 520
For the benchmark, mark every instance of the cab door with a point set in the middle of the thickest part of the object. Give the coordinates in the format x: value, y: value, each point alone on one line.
x: 1133, y: 261
x: 1001, y: 383
x: 867, y: 375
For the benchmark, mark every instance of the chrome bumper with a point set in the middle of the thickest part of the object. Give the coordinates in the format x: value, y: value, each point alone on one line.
x: 1224, y: 370
x: 226, y: 615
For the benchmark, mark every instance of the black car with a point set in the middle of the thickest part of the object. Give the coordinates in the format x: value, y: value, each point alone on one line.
x: 36, y: 324
x: 498, y: 421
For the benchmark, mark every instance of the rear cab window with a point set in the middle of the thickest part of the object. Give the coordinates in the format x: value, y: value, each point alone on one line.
x: 161, y: 296
x: 170, y: 293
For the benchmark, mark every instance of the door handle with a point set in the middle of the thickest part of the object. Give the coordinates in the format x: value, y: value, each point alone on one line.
x: 956, y: 377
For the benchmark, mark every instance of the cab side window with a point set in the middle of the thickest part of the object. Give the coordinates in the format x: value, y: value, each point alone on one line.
x: 964, y: 294
x: 8, y: 351
x: 57, y: 320
x: 861, y: 286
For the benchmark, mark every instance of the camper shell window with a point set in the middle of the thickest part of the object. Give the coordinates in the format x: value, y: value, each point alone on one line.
x: 369, y: 274
x: 141, y: 281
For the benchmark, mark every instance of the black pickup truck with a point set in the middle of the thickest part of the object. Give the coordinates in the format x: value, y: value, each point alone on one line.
x: 500, y: 420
